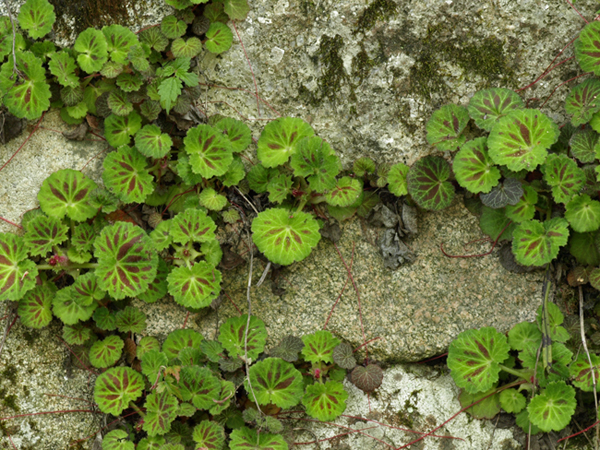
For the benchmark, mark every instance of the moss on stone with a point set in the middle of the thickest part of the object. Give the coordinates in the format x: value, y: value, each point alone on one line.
x: 476, y: 55
x: 10, y: 374
x: 333, y: 73
x: 90, y: 13
x: 378, y: 10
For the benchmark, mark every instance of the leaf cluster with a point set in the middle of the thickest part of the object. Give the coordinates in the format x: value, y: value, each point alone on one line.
x: 485, y: 363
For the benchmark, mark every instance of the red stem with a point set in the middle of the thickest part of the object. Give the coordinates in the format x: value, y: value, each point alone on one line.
x: 12, y: 223
x: 579, y: 432
x: 362, y: 327
x: 341, y: 293
x: 476, y: 256
x: 575, y: 9
x: 249, y: 65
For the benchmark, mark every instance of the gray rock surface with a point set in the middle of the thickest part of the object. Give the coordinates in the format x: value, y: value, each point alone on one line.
x: 37, y: 376
x: 368, y: 75
x: 414, y: 311
x: 369, y: 91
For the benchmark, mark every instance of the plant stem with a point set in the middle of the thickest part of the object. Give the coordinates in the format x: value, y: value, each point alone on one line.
x: 137, y: 409
x: 546, y: 339
x: 523, y: 374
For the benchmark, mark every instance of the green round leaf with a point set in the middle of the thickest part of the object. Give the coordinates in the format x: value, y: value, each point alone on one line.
x: 487, y: 408
x: 193, y: 225
x: 525, y: 208
x: 275, y: 381
x: 319, y: 346
x: 130, y: 320
x: 232, y: 336
x: 536, y: 244
x: 76, y: 334
x: 146, y: 344
x: 119, y: 40
x: 488, y: 106
x: 161, y: 410
x: 37, y: 18
x: 117, y: 440
x: 583, y: 214
x: 279, y: 138
x: 153, y: 363
x: 118, y: 130
x: 428, y: 183
x: 180, y: 339
x: 211, y: 200
x: 43, y: 233
x: 583, y: 145
x: 279, y: 187
x: 35, y: 308
x: 587, y: 48
x: 445, y: 127
x: 581, y: 372
x: 210, y: 152
x: 345, y: 193
x: 325, y: 401
x: 198, y: 385
x: 314, y: 159
x: 219, y: 38
x: 582, y: 101
x: 62, y: 66
x: 154, y: 38
x: 582, y: 246
x: 116, y: 387
x: 494, y: 221
x: 106, y: 353
x: 173, y: 28
x: 119, y: 103
x: 127, y: 260
x: 126, y: 176
x: 186, y: 48
x: 105, y: 320
x: 564, y: 176
x: 520, y: 140
x: 151, y: 142
x: 474, y: 169
x: 195, y: 287
x: 66, y: 193
x: 209, y: 435
x: 285, y: 237
x: 524, y: 335
x: 512, y: 401
x: 553, y: 408
x: 236, y: 131
x: 245, y: 438
x: 17, y: 274
x: 70, y: 307
x: 92, y: 48
x: 474, y: 358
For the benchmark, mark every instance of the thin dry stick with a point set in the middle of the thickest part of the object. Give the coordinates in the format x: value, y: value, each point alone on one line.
x: 248, y: 324
x: 15, y: 70
x: 585, y: 348
x: 248, y: 201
